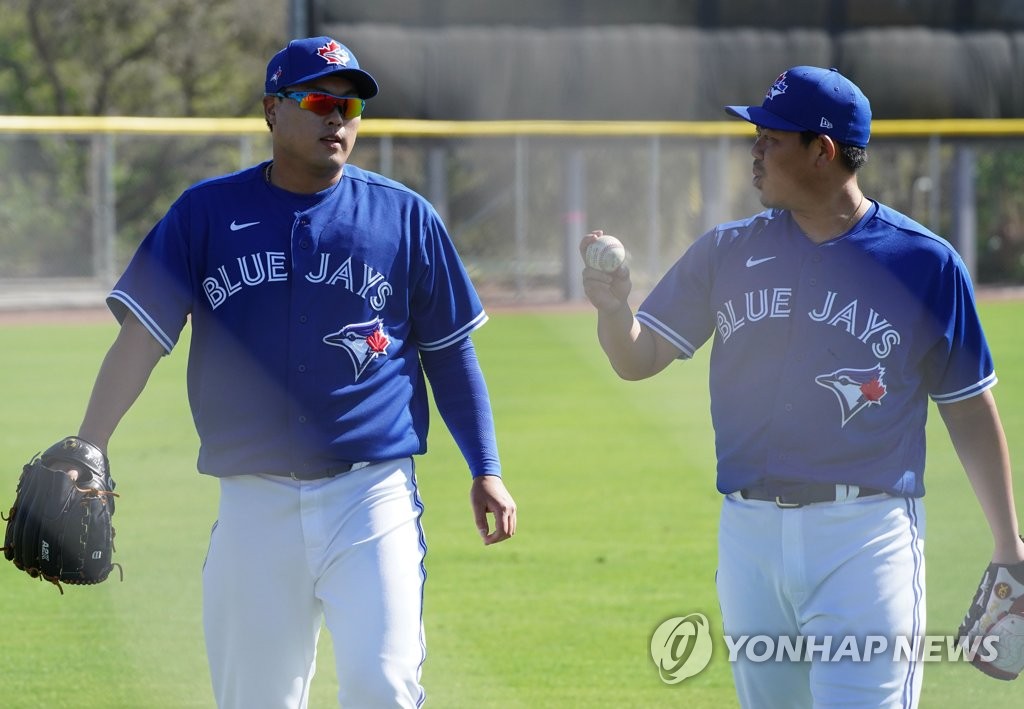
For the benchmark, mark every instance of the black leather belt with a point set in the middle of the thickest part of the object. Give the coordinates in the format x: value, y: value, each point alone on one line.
x: 790, y: 494
x: 332, y: 471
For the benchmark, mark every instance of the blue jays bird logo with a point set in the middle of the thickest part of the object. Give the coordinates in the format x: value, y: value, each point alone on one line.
x: 334, y: 53
x: 856, y: 389
x: 363, y: 342
x: 778, y: 88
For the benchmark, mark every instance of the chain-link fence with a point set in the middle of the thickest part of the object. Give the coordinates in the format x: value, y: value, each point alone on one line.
x: 516, y: 197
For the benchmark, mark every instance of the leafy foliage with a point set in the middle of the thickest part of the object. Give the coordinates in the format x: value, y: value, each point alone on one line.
x: 1000, y: 174
x: 123, y: 57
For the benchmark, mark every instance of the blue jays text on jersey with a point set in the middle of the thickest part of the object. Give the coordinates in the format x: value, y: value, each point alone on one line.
x: 271, y: 266
x: 776, y: 303
x: 825, y: 355
x: 308, y: 314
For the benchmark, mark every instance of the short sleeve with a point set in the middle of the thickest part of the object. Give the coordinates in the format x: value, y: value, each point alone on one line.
x: 960, y: 364
x: 677, y: 308
x: 445, y: 306
x: 156, y: 285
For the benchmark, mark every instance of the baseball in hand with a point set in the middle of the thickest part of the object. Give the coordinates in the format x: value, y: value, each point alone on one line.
x: 606, y: 253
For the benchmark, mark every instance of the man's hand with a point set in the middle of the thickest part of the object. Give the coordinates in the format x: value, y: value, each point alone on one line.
x: 488, y: 495
x: 606, y: 291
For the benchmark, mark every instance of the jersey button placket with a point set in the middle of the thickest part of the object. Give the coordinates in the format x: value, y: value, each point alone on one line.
x: 793, y: 375
x: 812, y: 270
x: 298, y: 350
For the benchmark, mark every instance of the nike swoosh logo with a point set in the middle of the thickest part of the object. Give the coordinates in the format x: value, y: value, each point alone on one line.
x: 751, y: 262
x: 238, y: 227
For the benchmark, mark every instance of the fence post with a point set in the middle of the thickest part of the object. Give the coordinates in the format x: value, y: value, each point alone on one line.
x: 104, y: 220
x: 575, y: 219
x: 437, y: 178
x: 521, y: 217
x: 964, y: 232
x: 935, y: 172
x: 714, y: 182
x: 654, y: 209
x: 244, y: 152
x: 387, y: 156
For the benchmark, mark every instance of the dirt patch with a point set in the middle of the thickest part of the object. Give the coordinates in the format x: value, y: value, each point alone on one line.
x: 56, y: 316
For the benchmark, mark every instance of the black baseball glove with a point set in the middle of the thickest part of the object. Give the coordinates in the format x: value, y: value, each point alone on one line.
x: 60, y: 526
x: 993, y: 630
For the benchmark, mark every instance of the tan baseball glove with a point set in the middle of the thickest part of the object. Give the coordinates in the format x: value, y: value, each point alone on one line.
x: 993, y: 630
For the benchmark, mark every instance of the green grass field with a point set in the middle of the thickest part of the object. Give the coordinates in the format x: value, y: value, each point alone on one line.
x: 617, y: 529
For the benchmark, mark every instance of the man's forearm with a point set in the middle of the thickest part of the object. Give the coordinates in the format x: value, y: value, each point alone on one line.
x: 629, y: 349
x: 122, y: 377
x: 977, y: 435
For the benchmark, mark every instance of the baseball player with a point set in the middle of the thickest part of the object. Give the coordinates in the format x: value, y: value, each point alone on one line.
x: 834, y: 319
x: 319, y: 294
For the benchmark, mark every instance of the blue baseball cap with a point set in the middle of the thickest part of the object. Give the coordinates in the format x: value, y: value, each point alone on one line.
x: 819, y: 100
x: 307, y: 59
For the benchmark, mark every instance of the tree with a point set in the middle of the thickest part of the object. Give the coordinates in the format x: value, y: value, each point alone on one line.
x: 126, y: 57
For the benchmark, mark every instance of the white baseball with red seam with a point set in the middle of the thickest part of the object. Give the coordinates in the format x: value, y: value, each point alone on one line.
x: 606, y: 253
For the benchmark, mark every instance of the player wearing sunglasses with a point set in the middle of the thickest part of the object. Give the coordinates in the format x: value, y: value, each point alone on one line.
x: 315, y: 124
x: 319, y: 295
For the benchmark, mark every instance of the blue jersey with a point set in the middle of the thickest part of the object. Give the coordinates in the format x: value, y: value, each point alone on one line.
x: 824, y: 356
x: 308, y: 315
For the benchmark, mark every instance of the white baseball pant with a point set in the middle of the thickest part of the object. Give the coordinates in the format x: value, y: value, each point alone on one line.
x: 287, y: 556
x: 833, y: 569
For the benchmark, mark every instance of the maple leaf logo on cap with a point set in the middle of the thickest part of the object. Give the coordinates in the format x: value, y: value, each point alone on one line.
x: 334, y: 53
x: 778, y: 88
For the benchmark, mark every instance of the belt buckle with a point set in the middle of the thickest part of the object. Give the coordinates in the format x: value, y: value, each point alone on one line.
x: 786, y: 505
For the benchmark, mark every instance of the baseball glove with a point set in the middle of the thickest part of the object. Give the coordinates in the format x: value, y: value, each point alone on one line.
x: 59, y: 528
x: 994, y: 624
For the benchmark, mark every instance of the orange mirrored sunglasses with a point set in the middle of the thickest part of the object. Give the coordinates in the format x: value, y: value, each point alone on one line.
x: 322, y: 103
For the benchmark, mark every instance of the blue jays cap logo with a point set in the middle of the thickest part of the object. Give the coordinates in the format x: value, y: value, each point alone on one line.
x: 856, y: 389
x: 334, y: 53
x: 363, y: 342
x: 778, y: 88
